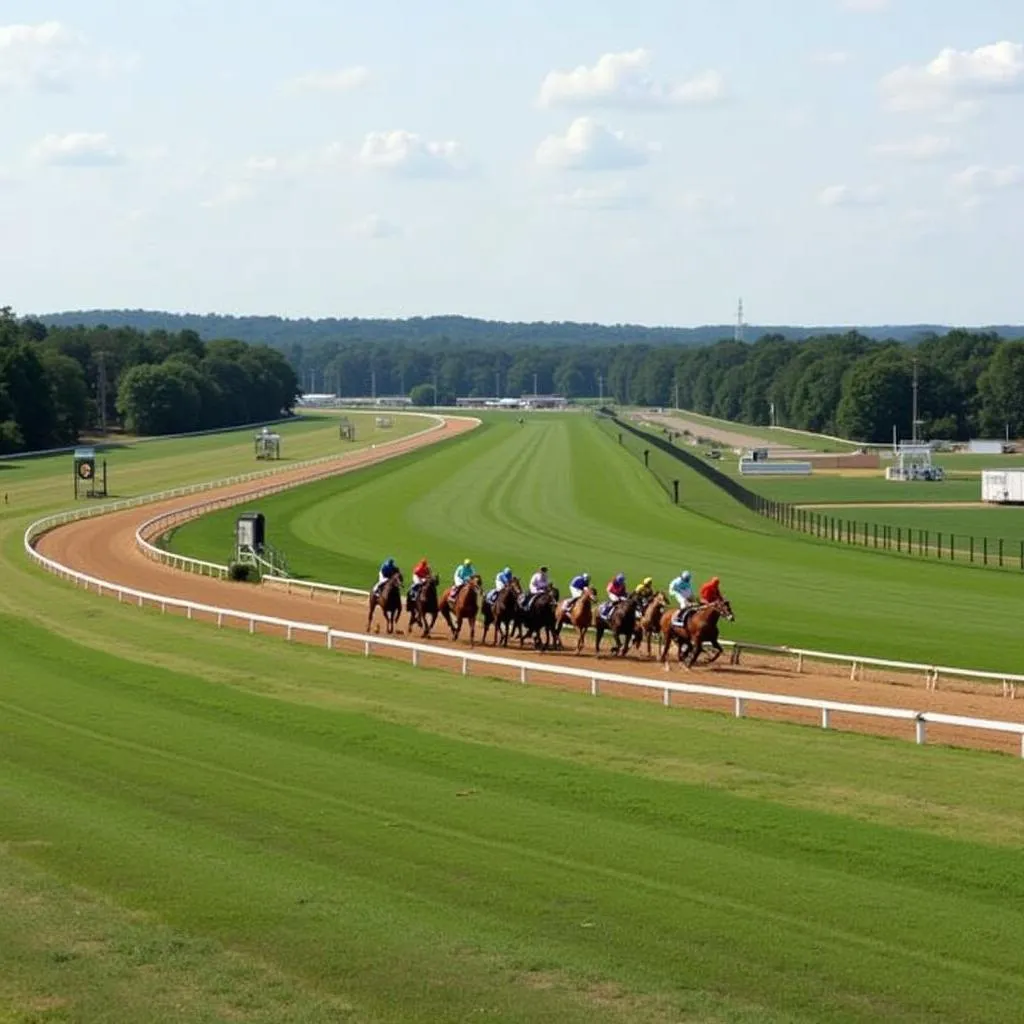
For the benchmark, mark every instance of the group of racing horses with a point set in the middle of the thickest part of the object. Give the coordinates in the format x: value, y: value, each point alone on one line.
x: 631, y: 622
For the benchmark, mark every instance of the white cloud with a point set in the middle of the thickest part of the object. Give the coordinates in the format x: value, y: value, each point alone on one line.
x: 48, y: 57
x: 342, y: 80
x: 850, y: 196
x: 375, y: 227
x: 923, y: 148
x: 956, y: 77
x: 589, y: 145
x: 622, y: 80
x: 78, y: 149
x: 975, y: 184
x: 865, y: 6
x: 409, y: 155
x: 616, y: 196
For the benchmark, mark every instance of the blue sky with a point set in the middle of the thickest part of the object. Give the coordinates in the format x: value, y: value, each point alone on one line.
x: 832, y: 161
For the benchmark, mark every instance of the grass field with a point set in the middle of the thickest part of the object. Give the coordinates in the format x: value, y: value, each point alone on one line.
x: 773, y: 435
x: 560, y: 491
x: 199, y: 825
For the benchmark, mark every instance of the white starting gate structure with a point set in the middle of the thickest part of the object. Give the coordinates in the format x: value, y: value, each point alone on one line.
x: 913, y: 462
x: 385, y: 422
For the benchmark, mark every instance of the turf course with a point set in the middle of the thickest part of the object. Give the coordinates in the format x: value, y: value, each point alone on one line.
x: 206, y: 826
x: 561, y: 491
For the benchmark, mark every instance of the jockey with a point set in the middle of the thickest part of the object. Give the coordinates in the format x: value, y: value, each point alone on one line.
x: 711, y: 591
x: 387, y: 570
x: 501, y: 581
x: 577, y: 585
x: 645, y: 591
x: 463, y: 574
x: 617, y: 591
x: 681, y: 588
x: 420, y: 575
x: 539, y: 584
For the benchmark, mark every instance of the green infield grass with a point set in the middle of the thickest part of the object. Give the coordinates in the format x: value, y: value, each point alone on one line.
x: 562, y: 492
x: 772, y: 435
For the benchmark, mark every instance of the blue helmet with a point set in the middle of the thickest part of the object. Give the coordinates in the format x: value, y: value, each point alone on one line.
x: 390, y: 563
x: 621, y: 578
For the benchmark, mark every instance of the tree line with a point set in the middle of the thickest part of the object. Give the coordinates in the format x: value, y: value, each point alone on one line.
x: 57, y: 382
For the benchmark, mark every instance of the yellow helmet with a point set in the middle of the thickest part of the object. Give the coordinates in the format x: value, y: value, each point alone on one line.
x: 466, y: 561
x: 648, y: 582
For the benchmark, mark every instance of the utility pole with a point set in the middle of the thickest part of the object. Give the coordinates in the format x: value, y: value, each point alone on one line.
x: 600, y: 387
x: 738, y: 332
x: 435, y: 387
x: 497, y: 383
x: 914, y: 424
x: 677, y: 394
x: 401, y: 377
x: 101, y: 367
x: 535, y: 385
x: 373, y: 385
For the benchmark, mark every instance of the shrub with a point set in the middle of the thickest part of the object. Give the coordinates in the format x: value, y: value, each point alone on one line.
x: 239, y: 572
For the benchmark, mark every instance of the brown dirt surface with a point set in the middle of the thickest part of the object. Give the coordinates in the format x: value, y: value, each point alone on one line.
x: 105, y: 547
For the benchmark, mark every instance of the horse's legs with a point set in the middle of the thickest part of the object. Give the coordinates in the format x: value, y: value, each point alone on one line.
x: 472, y: 631
x: 696, y: 652
x: 369, y: 618
x: 718, y: 651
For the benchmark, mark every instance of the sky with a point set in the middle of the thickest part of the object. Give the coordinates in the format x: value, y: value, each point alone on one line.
x: 651, y: 161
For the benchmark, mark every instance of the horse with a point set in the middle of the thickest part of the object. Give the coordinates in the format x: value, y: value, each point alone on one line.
x: 581, y: 616
x: 699, y: 628
x: 621, y: 622
x: 467, y: 604
x: 424, y: 607
x: 502, y: 614
x: 650, y: 622
x: 389, y: 599
x: 540, y: 620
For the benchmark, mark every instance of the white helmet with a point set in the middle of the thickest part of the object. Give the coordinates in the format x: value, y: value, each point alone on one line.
x: 685, y: 576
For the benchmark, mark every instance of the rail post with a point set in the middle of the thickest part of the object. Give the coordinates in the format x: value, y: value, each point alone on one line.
x: 675, y: 494
x: 920, y: 732
x: 824, y: 718
x: 740, y: 707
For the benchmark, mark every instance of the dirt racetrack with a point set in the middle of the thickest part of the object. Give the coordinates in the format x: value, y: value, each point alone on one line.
x: 105, y: 547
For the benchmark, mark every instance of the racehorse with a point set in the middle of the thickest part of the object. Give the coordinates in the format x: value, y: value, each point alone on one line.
x: 467, y: 604
x: 539, y: 621
x: 650, y: 622
x: 389, y: 600
x: 502, y: 613
x: 423, y: 609
x: 581, y: 616
x: 621, y: 623
x: 700, y: 627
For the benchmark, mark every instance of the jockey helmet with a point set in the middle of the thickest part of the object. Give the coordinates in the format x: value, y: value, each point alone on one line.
x: 507, y: 571
x: 586, y: 577
x: 390, y: 563
x: 467, y: 561
x: 621, y: 578
x: 648, y: 582
x: 543, y: 568
x: 715, y: 581
x: 685, y: 575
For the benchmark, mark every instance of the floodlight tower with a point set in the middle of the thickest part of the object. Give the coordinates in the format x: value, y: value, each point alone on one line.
x: 738, y: 332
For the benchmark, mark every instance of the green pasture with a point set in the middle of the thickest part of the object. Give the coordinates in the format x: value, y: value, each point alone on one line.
x: 561, y: 491
x: 201, y: 825
x: 829, y: 488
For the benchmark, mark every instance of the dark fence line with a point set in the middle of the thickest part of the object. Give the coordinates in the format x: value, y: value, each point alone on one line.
x: 993, y: 552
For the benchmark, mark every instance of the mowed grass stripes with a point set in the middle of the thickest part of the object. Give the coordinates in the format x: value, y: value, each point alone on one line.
x: 562, y: 492
x: 413, y: 874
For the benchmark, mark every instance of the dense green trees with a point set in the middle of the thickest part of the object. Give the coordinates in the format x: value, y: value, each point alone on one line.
x: 52, y: 382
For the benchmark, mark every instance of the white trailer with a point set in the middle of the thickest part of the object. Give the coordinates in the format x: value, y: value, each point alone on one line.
x: 1003, y: 486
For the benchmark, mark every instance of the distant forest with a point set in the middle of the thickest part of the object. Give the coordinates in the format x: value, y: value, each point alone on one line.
x: 847, y: 383
x: 56, y: 382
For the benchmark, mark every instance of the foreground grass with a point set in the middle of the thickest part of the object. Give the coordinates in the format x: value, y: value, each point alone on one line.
x: 378, y: 844
x: 563, y: 492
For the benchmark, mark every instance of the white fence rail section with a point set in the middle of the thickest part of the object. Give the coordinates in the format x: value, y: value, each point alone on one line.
x: 739, y: 698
